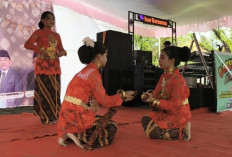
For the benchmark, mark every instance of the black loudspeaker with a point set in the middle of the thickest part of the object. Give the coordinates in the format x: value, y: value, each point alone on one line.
x: 143, y: 57
x: 202, y: 97
x: 119, y: 49
x: 115, y: 79
x: 118, y: 73
x: 111, y: 80
x: 146, y: 77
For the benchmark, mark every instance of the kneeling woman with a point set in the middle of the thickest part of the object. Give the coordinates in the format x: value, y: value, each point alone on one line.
x: 170, y: 118
x: 77, y: 121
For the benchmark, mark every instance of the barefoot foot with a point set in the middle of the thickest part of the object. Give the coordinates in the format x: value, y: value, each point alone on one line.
x: 75, y: 139
x: 187, y: 131
x: 62, y: 140
x: 54, y: 121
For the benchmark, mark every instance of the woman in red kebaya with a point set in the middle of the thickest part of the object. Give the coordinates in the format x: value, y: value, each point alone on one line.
x: 171, y: 114
x: 48, y: 46
x: 77, y: 121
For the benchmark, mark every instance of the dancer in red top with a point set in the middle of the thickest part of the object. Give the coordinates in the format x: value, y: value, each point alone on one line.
x: 48, y: 46
x: 171, y: 111
x: 77, y: 121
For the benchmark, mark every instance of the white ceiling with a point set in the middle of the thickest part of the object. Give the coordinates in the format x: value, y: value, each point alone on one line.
x: 183, y: 12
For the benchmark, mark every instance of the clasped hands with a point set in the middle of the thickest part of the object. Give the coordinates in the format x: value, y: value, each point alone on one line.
x: 148, y: 97
x: 94, y: 106
x: 45, y: 55
x: 127, y: 95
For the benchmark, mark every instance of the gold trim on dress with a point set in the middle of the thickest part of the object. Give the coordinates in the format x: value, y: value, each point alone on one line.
x: 76, y: 101
x: 185, y: 101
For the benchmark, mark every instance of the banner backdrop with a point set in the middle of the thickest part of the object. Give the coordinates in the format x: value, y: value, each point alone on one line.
x: 18, y: 19
x: 223, y: 74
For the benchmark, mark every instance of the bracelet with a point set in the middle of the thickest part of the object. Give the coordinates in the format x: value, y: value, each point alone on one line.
x: 144, y: 96
x: 156, y: 102
x: 149, y: 91
x: 122, y: 92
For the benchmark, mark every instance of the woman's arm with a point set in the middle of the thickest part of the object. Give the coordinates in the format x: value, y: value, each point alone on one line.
x: 99, y: 92
x: 30, y: 43
x: 61, y: 51
x: 156, y: 92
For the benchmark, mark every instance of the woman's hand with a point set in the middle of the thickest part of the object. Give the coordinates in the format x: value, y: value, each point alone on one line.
x: 130, y: 95
x: 62, y: 53
x: 94, y: 106
x: 127, y: 95
x: 147, y: 96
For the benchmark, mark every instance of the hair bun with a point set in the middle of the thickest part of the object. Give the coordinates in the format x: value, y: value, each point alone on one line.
x: 89, y: 50
x: 184, y: 53
x: 41, y: 25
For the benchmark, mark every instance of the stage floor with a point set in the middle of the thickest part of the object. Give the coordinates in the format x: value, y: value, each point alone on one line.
x: 23, y: 135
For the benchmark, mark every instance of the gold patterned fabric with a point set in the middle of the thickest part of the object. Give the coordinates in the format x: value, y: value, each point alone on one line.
x: 153, y: 130
x: 106, y: 137
x: 47, y: 97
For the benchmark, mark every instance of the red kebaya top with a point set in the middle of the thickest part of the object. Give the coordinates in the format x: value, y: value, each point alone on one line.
x: 173, y: 93
x: 46, y: 39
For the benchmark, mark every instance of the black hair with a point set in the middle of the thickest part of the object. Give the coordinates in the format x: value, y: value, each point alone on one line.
x: 178, y: 53
x: 87, y: 53
x: 43, y: 16
x: 167, y: 43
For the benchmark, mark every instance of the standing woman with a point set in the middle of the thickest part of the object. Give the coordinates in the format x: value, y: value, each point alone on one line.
x: 47, y: 44
x: 77, y: 121
x: 171, y: 114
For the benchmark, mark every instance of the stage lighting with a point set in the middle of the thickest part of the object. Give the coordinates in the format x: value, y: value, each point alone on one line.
x: 141, y: 17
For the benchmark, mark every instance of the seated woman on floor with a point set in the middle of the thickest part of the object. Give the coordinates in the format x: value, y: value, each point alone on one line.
x: 171, y: 114
x: 77, y: 121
